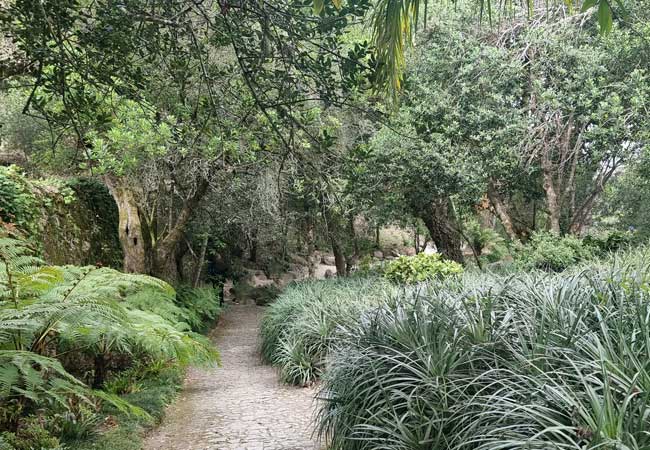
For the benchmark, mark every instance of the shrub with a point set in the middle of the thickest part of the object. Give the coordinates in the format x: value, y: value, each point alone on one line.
x: 200, y: 306
x: 421, y: 267
x: 498, y: 362
x: 31, y: 434
x: 485, y: 242
x: 608, y: 242
x: 18, y: 203
x: 158, y: 385
x: 261, y: 295
x: 549, y: 252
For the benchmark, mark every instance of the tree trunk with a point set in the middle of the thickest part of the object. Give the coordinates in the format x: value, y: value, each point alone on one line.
x: 100, y: 371
x: 311, y: 248
x: 552, y: 199
x: 164, y: 263
x: 582, y: 214
x: 441, y: 222
x: 252, y: 251
x: 416, y: 238
x: 339, y: 257
x: 351, y: 260
x: 179, y: 258
x: 132, y: 231
x: 501, y: 211
x: 199, y: 265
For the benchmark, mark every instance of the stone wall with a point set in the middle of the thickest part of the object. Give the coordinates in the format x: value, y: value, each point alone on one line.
x: 69, y: 221
x: 83, y: 231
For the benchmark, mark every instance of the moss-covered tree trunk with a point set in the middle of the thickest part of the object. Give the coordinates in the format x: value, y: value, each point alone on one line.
x: 132, y: 228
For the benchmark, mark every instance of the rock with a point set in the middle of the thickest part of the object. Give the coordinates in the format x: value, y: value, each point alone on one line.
x: 322, y: 269
x: 296, y: 273
x: 228, y: 291
x: 286, y: 279
x: 328, y: 274
x: 378, y: 254
x: 430, y: 249
x: 257, y: 278
x: 297, y: 259
x: 8, y: 157
x: 328, y: 260
x: 410, y: 252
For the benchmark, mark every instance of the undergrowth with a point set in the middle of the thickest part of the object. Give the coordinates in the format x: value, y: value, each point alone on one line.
x: 482, y: 361
x: 87, y: 351
x: 299, y: 326
x: 534, y: 360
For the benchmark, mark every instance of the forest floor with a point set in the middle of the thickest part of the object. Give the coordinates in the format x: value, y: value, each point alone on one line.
x: 241, y: 405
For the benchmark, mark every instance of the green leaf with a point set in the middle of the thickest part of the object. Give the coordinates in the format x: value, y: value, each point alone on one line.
x: 604, y: 16
x: 337, y: 3
x: 588, y: 4
x: 319, y: 5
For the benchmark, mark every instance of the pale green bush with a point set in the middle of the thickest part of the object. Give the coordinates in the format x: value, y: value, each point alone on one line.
x: 419, y: 268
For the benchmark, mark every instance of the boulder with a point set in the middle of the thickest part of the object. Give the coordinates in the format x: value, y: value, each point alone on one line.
x: 328, y: 260
x: 322, y: 271
x: 430, y: 249
x: 257, y: 278
x: 410, y: 251
x: 8, y: 157
x: 378, y: 254
x: 286, y: 278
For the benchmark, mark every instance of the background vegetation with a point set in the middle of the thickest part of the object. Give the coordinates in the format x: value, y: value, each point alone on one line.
x: 501, y: 149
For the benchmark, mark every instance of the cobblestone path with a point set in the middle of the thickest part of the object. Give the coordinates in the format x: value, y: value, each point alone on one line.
x: 241, y: 405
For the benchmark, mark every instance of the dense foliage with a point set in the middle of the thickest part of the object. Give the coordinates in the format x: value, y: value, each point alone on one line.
x: 268, y: 141
x: 419, y: 268
x: 483, y: 361
x: 66, y: 332
x: 547, y: 251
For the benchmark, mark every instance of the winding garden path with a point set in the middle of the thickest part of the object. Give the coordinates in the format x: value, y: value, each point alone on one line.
x: 241, y: 405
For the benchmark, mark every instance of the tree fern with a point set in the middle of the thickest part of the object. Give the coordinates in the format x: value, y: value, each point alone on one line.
x: 26, y: 374
x: 47, y: 311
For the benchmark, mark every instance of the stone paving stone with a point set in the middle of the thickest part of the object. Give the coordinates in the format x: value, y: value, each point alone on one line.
x: 241, y: 405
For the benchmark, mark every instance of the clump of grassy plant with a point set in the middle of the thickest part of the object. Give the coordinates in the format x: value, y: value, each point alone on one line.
x: 534, y: 360
x: 298, y: 327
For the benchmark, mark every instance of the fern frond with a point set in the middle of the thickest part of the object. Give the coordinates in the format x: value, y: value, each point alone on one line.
x: 26, y: 374
x: 160, y: 339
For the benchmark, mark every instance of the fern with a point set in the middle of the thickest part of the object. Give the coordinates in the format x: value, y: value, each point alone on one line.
x: 35, y: 377
x: 45, y: 310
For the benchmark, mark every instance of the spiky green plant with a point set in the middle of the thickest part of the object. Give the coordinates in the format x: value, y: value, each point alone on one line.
x: 534, y: 360
x: 298, y: 329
